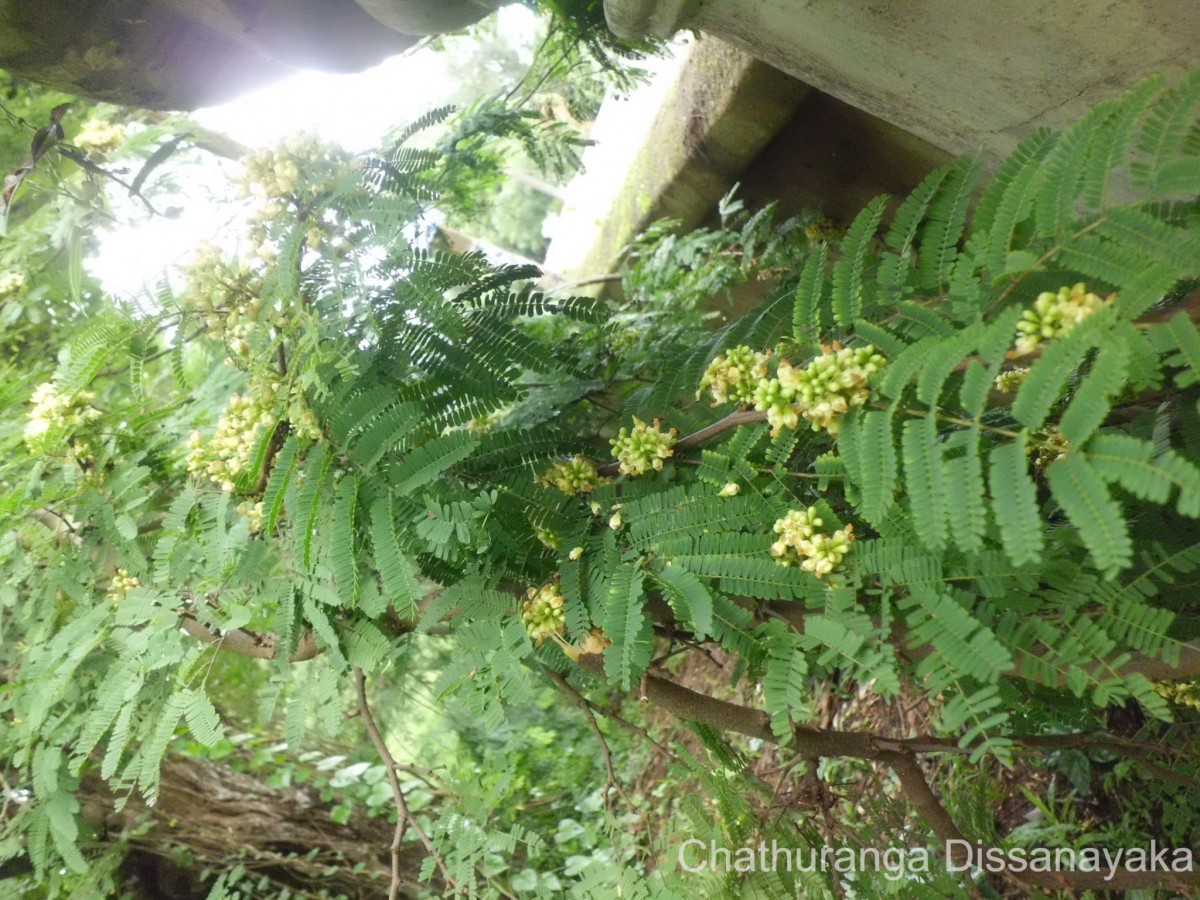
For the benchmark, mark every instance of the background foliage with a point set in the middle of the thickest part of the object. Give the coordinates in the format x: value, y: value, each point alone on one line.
x: 376, y: 505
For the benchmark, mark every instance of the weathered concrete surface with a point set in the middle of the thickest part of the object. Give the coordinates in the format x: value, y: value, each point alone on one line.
x: 966, y: 75
x: 712, y: 133
x: 837, y: 158
x: 182, y: 54
x: 723, y: 109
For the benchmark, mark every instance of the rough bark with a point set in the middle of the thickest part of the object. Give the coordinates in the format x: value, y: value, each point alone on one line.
x: 209, y: 815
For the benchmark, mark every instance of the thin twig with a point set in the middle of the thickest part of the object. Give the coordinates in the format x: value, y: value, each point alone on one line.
x: 608, y: 760
x: 158, y: 354
x: 570, y: 689
x: 403, y: 816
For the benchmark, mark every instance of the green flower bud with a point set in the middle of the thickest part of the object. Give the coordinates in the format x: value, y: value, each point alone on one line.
x: 574, y: 476
x: 802, y: 543
x: 543, y: 612
x: 643, y: 448
x: 1055, y: 314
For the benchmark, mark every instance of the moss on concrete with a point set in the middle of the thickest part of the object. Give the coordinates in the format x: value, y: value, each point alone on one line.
x: 723, y: 109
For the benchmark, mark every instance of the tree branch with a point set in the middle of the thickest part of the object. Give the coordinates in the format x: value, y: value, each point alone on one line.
x: 687, y: 704
x: 244, y: 642
x: 403, y: 816
x: 579, y: 698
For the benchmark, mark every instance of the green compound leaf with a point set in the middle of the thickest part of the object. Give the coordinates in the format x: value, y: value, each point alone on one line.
x: 1081, y: 493
x: 848, y: 283
x: 1014, y: 501
x: 627, y: 626
x: 923, y: 479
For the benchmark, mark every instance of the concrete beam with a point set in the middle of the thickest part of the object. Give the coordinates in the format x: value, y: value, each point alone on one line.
x: 966, y: 75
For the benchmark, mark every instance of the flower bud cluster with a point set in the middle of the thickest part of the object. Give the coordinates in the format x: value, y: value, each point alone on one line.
x: 543, y: 612
x: 801, y: 542
x: 733, y: 375
x: 56, y: 415
x: 252, y: 510
x: 548, y: 536
x: 99, y: 136
x: 1010, y: 382
x: 643, y: 448
x: 275, y: 174
x: 228, y: 453
x: 269, y: 386
x: 823, y: 230
x: 11, y: 283
x: 1181, y: 693
x: 777, y: 398
x: 290, y: 172
x: 1054, y: 446
x: 227, y: 295
x: 292, y: 176
x: 1056, y: 314
x: 822, y: 392
x: 121, y: 584
x: 573, y: 476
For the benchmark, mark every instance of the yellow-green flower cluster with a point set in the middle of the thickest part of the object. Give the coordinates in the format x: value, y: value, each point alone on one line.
x: 777, y: 398
x: 1055, y: 314
x: 224, y: 456
x: 1010, y: 382
x: 56, y: 415
x: 573, y: 476
x: 295, y: 175
x: 548, y: 536
x: 99, y: 136
x: 734, y: 375
x: 642, y: 448
x: 543, y: 612
x: 121, y: 584
x: 300, y: 417
x: 1053, y: 447
x: 271, y: 174
x: 226, y: 294
x: 252, y: 511
x: 823, y: 230
x: 274, y: 175
x: 11, y: 283
x: 822, y: 392
x: 803, y: 543
x: 1181, y: 693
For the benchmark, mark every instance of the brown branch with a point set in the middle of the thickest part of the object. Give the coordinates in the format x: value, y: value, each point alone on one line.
x: 688, y: 704
x: 282, y: 427
x: 896, y: 753
x: 403, y: 816
x: 613, y: 781
x: 641, y: 732
x: 245, y: 642
x: 916, y: 788
x: 1138, y: 752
